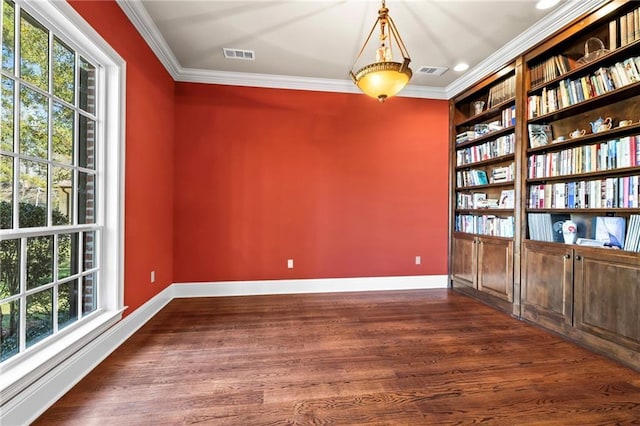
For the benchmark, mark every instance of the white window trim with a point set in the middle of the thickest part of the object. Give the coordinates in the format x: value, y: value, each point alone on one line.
x: 60, y: 17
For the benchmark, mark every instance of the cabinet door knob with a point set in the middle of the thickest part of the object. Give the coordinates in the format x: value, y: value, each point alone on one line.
x: 578, y: 257
x: 567, y: 256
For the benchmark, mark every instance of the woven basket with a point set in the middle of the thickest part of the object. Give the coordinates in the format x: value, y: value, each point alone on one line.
x: 592, y: 55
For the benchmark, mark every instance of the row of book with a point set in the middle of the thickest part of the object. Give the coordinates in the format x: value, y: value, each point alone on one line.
x: 570, y: 92
x: 541, y: 226
x: 479, y: 200
x: 626, y: 29
x: 475, y: 177
x: 502, y: 92
x: 508, y: 116
x: 550, y: 69
x: 604, y: 231
x: 472, y: 177
x: 616, y: 192
x: 503, y: 145
x: 610, y: 155
x: 507, y: 119
x: 486, y: 225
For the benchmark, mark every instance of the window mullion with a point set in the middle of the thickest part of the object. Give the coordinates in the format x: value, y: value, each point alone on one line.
x: 56, y: 242
x: 23, y: 299
x: 50, y: 134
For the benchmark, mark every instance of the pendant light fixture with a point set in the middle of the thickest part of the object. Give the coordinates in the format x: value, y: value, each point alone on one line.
x: 383, y: 78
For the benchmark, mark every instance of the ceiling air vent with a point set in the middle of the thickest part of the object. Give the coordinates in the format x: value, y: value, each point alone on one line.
x: 432, y: 70
x: 247, y: 55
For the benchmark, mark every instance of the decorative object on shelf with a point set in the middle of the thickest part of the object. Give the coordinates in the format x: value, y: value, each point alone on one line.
x: 383, y: 78
x: 624, y: 123
x: 610, y: 229
x: 601, y: 125
x: 577, y: 133
x: 569, y: 231
x: 596, y: 51
x: 539, y: 134
x: 478, y: 107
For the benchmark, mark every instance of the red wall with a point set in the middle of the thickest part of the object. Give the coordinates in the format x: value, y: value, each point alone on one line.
x: 149, y: 154
x: 345, y: 186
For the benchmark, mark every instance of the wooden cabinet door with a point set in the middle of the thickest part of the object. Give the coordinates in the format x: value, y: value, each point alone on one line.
x: 495, y: 267
x: 547, y: 284
x: 607, y: 295
x: 463, y: 264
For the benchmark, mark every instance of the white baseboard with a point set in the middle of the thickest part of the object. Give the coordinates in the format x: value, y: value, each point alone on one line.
x: 320, y: 285
x: 34, y: 400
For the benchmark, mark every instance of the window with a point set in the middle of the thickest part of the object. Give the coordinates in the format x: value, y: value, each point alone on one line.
x: 60, y: 184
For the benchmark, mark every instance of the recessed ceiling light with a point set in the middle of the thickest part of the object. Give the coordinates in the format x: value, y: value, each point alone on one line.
x: 546, y: 4
x: 461, y: 67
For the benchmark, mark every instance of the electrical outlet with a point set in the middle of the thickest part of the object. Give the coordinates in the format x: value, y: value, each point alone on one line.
x: 418, y: 260
x: 153, y: 276
x: 290, y: 263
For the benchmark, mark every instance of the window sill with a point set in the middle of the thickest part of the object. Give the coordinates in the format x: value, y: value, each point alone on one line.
x: 20, y: 373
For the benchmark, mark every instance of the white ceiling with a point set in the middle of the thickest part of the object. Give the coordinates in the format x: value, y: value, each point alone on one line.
x: 312, y: 44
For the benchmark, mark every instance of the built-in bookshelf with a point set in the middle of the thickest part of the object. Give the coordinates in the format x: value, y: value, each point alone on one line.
x: 580, y: 180
x: 483, y: 186
x: 545, y: 183
x: 485, y: 158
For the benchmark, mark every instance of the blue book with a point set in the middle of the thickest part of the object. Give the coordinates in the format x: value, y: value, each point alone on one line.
x: 571, y: 195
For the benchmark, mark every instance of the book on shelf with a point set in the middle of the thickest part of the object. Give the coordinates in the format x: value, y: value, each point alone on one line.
x: 486, y: 225
x: 472, y: 177
x: 507, y: 199
x: 551, y: 68
x: 502, y: 174
x: 632, y: 242
x: 477, y: 198
x: 539, y: 135
x: 502, y: 92
x: 610, y: 230
x: 487, y: 203
x: 589, y: 242
x: 465, y: 136
x: 629, y: 28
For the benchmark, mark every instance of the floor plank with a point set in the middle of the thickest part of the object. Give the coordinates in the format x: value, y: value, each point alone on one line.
x: 375, y: 358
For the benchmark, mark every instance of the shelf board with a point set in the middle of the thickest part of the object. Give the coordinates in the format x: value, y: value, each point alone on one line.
x: 586, y: 176
x: 591, y: 137
x: 580, y: 247
x: 489, y: 185
x: 486, y: 162
x: 491, y: 237
x: 600, y: 211
x: 488, y: 137
x: 493, y: 211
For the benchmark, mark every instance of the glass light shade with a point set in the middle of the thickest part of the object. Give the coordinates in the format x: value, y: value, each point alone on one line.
x: 382, y: 80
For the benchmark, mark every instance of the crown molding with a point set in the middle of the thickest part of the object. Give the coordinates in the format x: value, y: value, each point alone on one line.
x: 553, y: 22
x: 190, y: 75
x: 141, y: 20
x: 539, y: 31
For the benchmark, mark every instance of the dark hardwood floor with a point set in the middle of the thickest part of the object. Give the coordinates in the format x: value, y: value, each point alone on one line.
x: 426, y: 357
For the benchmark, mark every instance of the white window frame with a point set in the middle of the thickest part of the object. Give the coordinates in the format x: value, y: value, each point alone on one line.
x: 25, y: 368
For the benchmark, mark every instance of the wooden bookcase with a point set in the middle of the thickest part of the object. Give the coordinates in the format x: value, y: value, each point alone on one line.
x: 590, y: 295
x: 484, y: 166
